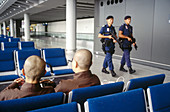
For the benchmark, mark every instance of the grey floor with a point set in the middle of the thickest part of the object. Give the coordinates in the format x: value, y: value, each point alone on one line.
x: 142, y: 70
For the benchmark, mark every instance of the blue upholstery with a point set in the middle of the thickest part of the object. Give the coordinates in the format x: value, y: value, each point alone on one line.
x: 69, y: 107
x: 32, y: 103
x: 2, y: 36
x: 6, y: 61
x: 10, y: 46
x: 130, y: 101
x: 159, y: 97
x: 8, y: 78
x: 14, y: 39
x: 145, y: 82
x: 3, y: 40
x: 27, y: 45
x: 82, y: 94
x: 7, y: 64
x: 56, y: 58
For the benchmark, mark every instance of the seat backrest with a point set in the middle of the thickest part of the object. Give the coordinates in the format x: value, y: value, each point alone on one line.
x: 130, y: 101
x: 14, y: 39
x: 31, y: 103
x: 10, y: 46
x: 69, y: 107
x: 3, y: 40
x: 159, y: 97
x: 55, y: 57
x: 145, y: 82
x: 82, y: 94
x: 8, y: 70
x: 26, y: 45
x: 22, y: 55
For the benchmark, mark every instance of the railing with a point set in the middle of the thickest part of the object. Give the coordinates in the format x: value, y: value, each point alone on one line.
x: 80, y: 36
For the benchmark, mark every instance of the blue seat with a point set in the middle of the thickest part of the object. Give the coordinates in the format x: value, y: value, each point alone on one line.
x: 32, y: 103
x: 22, y: 55
x: 14, y: 39
x: 3, y: 40
x: 159, y: 98
x: 145, y: 82
x: 130, y: 101
x: 56, y: 58
x: 70, y: 107
x: 26, y: 45
x: 2, y: 36
x: 8, y: 70
x: 82, y: 94
x: 10, y: 46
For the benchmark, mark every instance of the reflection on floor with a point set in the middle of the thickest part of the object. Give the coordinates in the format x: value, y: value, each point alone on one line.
x: 142, y: 71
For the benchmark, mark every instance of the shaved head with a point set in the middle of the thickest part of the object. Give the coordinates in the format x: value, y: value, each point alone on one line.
x: 84, y: 58
x: 34, y: 67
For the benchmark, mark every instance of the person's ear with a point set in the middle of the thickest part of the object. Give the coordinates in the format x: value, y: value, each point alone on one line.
x: 23, y: 72
x: 76, y: 64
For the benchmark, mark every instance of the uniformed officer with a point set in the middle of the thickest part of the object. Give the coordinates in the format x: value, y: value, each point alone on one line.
x: 105, y: 34
x: 125, y: 32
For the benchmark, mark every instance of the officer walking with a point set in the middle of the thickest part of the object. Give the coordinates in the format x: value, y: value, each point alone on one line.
x: 105, y: 34
x: 126, y: 34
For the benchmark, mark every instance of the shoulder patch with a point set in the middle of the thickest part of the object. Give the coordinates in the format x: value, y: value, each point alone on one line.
x: 103, y: 26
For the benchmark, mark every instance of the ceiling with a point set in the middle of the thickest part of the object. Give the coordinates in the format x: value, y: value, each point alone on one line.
x: 43, y: 10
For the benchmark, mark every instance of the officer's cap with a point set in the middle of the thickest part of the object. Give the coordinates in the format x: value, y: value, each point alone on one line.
x: 109, y: 17
x: 127, y: 17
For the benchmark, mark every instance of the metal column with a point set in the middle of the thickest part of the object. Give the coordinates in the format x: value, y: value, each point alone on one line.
x: 71, y: 25
x: 4, y: 28
x: 26, y: 27
x: 11, y: 28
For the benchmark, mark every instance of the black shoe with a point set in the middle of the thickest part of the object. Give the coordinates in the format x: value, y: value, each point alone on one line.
x: 113, y: 73
x: 131, y: 71
x: 105, y: 71
x: 122, y: 69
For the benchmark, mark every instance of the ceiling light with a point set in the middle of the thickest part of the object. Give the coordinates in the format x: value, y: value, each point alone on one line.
x: 19, y: 6
x: 13, y: 9
x: 26, y: 1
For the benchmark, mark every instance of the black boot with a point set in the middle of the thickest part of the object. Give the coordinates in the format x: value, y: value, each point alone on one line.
x: 122, y: 69
x: 105, y: 71
x: 113, y: 73
x: 131, y: 71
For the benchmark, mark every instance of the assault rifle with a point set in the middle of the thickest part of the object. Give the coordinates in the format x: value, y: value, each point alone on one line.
x: 133, y: 41
x: 114, y: 36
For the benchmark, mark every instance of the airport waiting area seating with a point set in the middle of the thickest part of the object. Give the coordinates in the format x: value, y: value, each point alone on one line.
x: 159, y: 97
x: 145, y: 82
x: 56, y: 58
x: 14, y: 39
x: 8, y: 71
x: 130, y: 101
x: 69, y: 107
x: 9, y: 46
x: 82, y: 94
x: 32, y: 103
x: 26, y: 45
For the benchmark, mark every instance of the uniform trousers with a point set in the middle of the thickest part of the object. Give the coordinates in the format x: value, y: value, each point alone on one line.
x: 126, y: 58
x: 108, y: 61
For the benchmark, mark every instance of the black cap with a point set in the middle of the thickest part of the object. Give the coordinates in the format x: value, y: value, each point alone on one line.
x: 127, y: 17
x: 108, y: 17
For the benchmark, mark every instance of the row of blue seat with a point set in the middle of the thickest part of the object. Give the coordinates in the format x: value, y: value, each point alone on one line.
x: 9, y: 39
x: 11, y: 46
x: 13, y: 62
x: 5, y: 36
x: 129, y: 101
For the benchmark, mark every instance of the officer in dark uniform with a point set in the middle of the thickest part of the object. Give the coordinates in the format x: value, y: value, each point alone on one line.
x: 125, y: 32
x: 105, y: 34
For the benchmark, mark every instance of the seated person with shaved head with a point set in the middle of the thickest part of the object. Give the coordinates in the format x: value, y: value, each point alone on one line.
x: 83, y: 77
x: 34, y: 69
